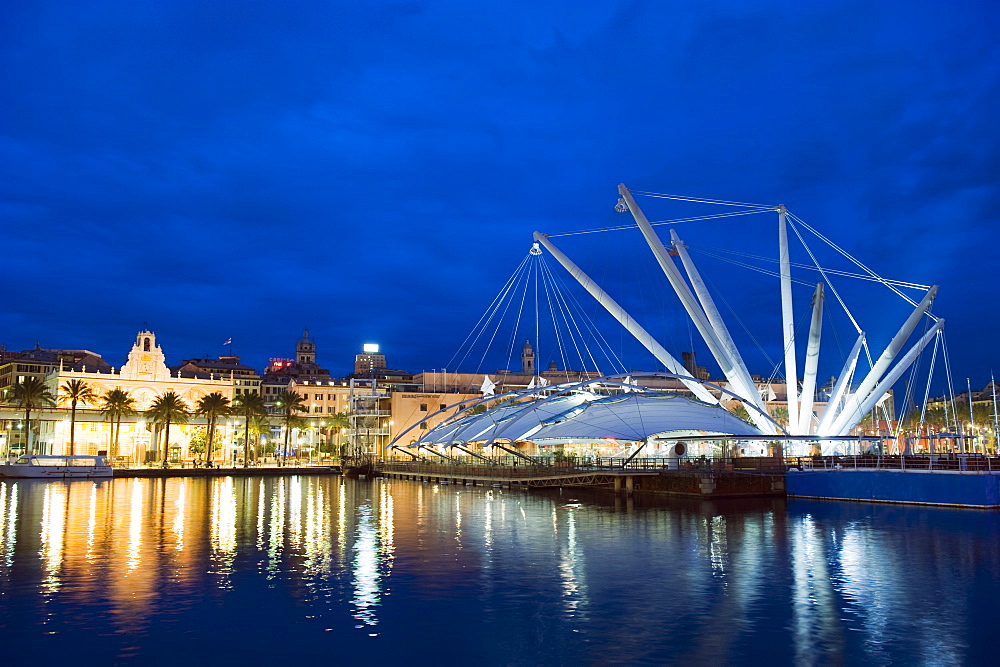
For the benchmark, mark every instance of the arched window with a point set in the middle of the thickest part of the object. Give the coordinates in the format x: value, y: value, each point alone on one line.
x: 145, y: 345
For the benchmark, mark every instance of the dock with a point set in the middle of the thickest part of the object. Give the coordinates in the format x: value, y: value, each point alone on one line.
x: 657, y: 476
x: 261, y: 471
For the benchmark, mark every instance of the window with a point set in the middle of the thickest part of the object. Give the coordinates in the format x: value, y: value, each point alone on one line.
x: 319, y: 397
x: 444, y: 406
x: 423, y: 426
x: 423, y: 408
x: 330, y: 409
x: 317, y: 408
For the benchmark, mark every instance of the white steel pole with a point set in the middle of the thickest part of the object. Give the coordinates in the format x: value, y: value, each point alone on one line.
x: 626, y: 320
x: 850, y: 419
x: 812, y: 361
x: 788, y: 321
x: 712, y: 312
x: 843, y: 382
x: 695, y: 312
x: 727, y: 345
x: 895, y: 345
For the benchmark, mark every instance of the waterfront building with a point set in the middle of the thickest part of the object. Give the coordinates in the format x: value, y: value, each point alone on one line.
x: 16, y: 367
x: 144, y: 376
x: 282, y: 372
x: 246, y: 380
x: 369, y: 360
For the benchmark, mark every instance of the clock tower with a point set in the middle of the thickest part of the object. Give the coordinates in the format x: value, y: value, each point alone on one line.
x: 145, y: 360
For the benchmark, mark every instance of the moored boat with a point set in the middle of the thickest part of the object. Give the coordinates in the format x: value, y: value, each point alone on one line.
x: 48, y: 466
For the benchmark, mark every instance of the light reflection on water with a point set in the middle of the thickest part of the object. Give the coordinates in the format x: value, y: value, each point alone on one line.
x: 297, y: 567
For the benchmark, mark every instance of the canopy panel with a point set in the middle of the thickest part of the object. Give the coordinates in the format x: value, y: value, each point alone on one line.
x: 585, y: 416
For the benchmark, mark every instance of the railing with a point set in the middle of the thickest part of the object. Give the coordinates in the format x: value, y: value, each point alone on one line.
x: 755, y: 464
x: 941, y: 462
x: 480, y: 470
x: 514, y: 466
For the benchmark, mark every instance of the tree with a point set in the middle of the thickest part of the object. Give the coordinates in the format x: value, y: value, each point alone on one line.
x: 28, y: 395
x: 257, y: 425
x: 167, y: 409
x: 340, y: 421
x: 213, y: 406
x: 249, y: 406
x: 116, y: 404
x: 76, y: 391
x: 779, y: 414
x: 289, y: 403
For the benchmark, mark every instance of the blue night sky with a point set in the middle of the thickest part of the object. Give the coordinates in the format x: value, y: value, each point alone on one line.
x: 373, y: 171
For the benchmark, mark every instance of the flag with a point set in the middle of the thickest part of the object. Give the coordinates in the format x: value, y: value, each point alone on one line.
x: 229, y: 341
x: 488, y: 386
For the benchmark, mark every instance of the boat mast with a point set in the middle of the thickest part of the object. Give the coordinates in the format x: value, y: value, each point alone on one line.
x: 626, y: 320
x: 972, y: 419
x: 996, y: 424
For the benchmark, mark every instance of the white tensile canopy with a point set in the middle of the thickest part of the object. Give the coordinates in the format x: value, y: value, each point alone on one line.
x: 587, y: 417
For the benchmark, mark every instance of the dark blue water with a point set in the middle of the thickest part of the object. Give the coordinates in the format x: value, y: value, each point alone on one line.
x: 251, y: 571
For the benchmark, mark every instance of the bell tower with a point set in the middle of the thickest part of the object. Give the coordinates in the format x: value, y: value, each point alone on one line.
x: 528, y: 359
x: 305, y: 350
x: 145, y: 360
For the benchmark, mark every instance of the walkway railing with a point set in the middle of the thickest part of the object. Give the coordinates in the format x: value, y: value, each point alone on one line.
x: 941, y: 462
x: 515, y: 467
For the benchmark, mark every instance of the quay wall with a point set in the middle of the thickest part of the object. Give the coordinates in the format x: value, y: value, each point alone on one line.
x: 712, y: 484
x: 286, y: 471
x: 961, y: 489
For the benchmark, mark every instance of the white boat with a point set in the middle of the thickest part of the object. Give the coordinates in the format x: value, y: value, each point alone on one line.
x: 48, y: 466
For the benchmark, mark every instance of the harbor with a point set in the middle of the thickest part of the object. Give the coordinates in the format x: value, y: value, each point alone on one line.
x: 199, y: 568
x: 970, y: 481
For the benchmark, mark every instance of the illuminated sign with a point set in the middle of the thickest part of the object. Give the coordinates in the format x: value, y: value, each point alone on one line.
x: 371, y: 348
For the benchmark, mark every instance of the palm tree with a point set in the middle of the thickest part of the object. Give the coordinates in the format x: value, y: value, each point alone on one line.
x: 213, y: 406
x: 115, y: 404
x: 249, y: 406
x: 28, y: 395
x: 340, y: 421
x: 76, y: 391
x: 166, y: 409
x: 290, y: 403
x: 257, y: 425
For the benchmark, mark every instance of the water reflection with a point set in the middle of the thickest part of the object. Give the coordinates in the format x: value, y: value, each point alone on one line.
x: 568, y: 580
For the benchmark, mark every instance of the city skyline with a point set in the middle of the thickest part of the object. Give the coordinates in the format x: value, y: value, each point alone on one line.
x: 374, y: 173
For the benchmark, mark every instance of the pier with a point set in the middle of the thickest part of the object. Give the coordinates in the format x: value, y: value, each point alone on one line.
x: 706, y: 478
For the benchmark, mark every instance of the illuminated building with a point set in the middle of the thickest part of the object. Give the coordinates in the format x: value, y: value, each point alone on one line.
x: 369, y: 360
x: 144, y: 376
